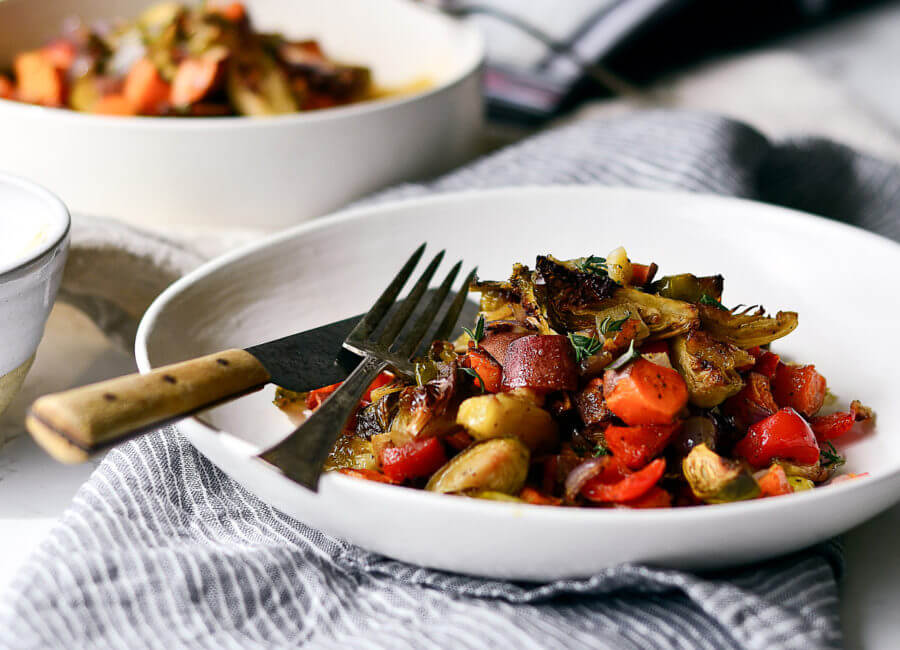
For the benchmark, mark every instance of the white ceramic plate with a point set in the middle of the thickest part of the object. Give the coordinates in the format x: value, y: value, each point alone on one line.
x: 331, y: 268
x: 263, y: 173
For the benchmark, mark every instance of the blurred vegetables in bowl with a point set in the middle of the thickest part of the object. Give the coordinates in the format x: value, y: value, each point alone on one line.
x: 400, y: 84
x: 179, y: 60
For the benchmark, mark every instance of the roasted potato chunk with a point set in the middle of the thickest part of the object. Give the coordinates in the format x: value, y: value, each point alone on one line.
x: 496, y: 465
x: 504, y: 415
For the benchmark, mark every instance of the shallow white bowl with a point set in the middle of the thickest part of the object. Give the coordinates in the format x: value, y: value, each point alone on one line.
x: 34, y: 227
x: 324, y: 271
x: 263, y: 173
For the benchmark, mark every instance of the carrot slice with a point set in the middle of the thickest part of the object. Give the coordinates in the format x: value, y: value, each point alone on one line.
x: 774, y: 482
x: 7, y: 89
x: 645, y: 393
x: 194, y: 79
x: 39, y: 81
x: 233, y: 11
x: 538, y: 498
x: 145, y: 89
x: 115, y: 104
x: 486, y: 367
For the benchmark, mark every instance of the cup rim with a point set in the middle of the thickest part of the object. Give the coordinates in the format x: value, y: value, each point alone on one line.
x: 62, y: 222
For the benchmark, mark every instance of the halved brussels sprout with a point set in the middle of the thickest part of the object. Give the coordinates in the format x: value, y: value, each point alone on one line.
x: 504, y: 415
x: 799, y: 484
x: 747, y: 330
x: 496, y: 465
x: 687, y: 286
x: 709, y: 367
x: 714, y: 479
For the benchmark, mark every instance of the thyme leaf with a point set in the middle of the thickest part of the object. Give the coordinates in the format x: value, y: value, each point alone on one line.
x: 626, y: 358
x: 478, y: 334
x: 471, y: 372
x: 829, y: 456
x: 609, y: 325
x: 600, y: 450
x: 707, y: 299
x: 584, y: 346
x: 592, y: 264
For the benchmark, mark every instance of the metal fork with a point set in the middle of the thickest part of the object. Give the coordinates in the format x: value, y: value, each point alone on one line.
x: 301, y: 455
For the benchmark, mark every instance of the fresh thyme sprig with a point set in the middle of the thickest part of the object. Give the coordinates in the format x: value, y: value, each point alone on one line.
x: 478, y: 334
x: 629, y: 355
x: 600, y: 450
x: 592, y: 264
x: 707, y: 299
x: 609, y: 325
x: 829, y: 456
x: 471, y: 372
x: 584, y: 346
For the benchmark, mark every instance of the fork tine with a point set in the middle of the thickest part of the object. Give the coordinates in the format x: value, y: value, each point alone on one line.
x: 415, y: 336
x: 445, y: 329
x: 370, y: 321
x: 400, y: 318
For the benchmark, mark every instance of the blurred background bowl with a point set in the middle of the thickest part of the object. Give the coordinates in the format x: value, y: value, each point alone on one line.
x: 263, y: 173
x: 35, y: 238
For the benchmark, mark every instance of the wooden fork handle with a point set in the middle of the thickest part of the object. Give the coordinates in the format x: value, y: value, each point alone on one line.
x: 74, y: 424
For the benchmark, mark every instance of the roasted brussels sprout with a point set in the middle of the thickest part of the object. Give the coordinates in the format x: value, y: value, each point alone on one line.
x: 428, y: 410
x: 714, y: 479
x: 709, y: 367
x: 746, y: 330
x: 496, y: 465
x: 688, y: 287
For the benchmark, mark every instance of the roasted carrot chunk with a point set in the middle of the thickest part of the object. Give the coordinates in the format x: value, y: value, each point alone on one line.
x: 39, y: 81
x: 774, y: 482
x: 486, y: 367
x: 656, y: 497
x: 60, y: 53
x: 645, y: 393
x: 145, y: 89
x: 115, y: 104
x: 538, y: 498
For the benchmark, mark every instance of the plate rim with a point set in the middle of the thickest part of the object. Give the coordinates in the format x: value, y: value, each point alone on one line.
x: 391, y: 493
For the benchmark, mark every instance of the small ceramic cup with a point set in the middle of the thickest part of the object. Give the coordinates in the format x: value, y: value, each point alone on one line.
x: 34, y: 240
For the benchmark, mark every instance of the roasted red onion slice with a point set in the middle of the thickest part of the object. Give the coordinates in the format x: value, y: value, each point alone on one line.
x: 581, y: 475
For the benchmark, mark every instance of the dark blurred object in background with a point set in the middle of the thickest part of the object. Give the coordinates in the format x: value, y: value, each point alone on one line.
x: 546, y: 56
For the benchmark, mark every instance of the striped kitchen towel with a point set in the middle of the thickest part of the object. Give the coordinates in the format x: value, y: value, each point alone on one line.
x: 159, y: 549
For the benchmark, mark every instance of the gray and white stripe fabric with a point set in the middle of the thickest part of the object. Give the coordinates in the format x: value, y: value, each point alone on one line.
x: 161, y: 550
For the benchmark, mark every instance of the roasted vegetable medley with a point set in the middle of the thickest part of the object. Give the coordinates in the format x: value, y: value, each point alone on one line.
x: 180, y: 61
x: 588, y: 382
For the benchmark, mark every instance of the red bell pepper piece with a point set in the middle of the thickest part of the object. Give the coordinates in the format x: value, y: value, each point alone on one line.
x: 753, y: 403
x: 656, y: 497
x: 490, y: 371
x: 829, y: 427
x: 367, y: 474
x: 774, y: 482
x: 645, y: 393
x: 767, y: 363
x: 799, y: 387
x: 629, y: 488
x: 415, y: 459
x: 782, y: 435
x: 319, y: 395
x: 634, y: 447
x: 382, y: 379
